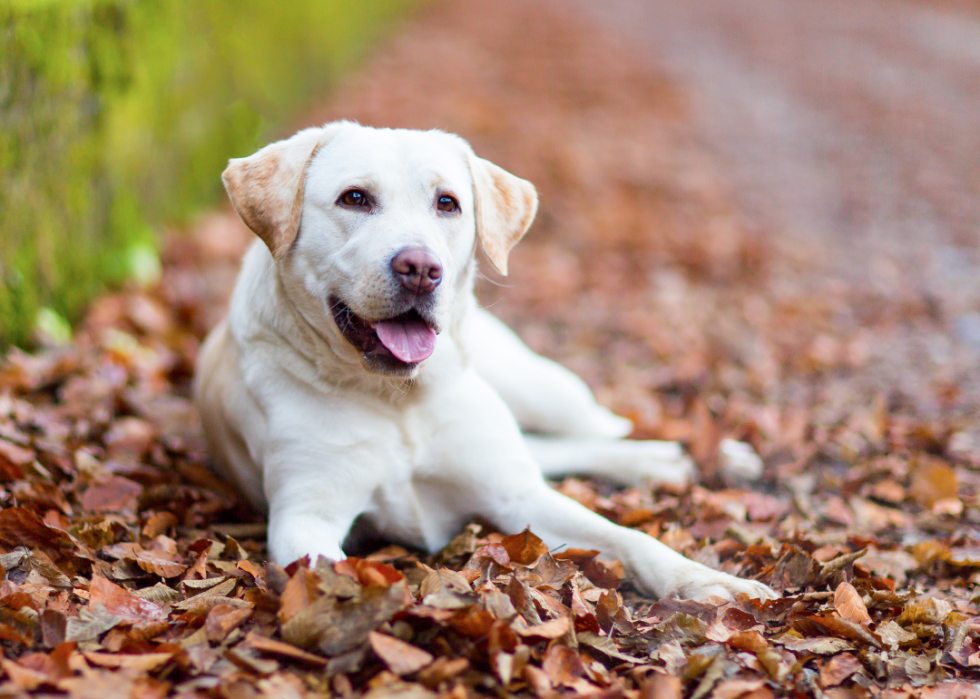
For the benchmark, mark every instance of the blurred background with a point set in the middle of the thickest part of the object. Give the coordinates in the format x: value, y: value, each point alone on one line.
x: 758, y: 217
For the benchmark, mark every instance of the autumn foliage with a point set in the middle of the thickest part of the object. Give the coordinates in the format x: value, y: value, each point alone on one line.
x: 129, y: 570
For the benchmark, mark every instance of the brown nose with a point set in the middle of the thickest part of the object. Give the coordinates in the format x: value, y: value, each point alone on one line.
x: 418, y: 269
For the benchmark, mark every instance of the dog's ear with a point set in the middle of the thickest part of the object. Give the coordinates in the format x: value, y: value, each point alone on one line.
x: 505, y: 208
x: 266, y: 188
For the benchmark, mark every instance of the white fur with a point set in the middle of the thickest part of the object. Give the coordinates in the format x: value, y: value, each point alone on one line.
x: 294, y: 417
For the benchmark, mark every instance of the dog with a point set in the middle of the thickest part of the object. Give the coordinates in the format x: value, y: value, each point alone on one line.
x: 356, y: 377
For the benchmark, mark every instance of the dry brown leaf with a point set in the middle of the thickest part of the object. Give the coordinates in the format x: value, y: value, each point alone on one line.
x: 222, y: 619
x: 848, y: 603
x: 13, y: 460
x: 524, y: 548
x: 299, y: 593
x: 932, y: 481
x: 951, y: 690
x: 845, y: 629
x: 337, y: 626
x: 400, y: 657
x: 23, y: 678
x: 90, y: 623
x: 21, y: 527
x: 821, y: 645
x: 735, y: 688
x: 112, y: 495
x: 156, y: 562
x: 120, y: 602
x: 838, y: 669
x: 368, y: 572
x: 925, y: 610
x: 563, y: 666
x: 555, y: 628
x: 159, y: 523
x: 538, y: 680
x: 893, y: 635
x: 750, y: 641
x: 442, y: 670
x: 446, y: 589
x: 660, y: 686
x: 284, y: 650
x: 144, y: 662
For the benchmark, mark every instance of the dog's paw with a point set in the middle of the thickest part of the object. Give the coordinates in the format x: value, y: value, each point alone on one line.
x: 699, y: 582
x: 739, y: 462
x: 606, y: 424
x: 657, y: 462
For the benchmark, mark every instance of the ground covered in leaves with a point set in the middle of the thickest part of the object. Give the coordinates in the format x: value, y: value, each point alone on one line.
x: 130, y: 571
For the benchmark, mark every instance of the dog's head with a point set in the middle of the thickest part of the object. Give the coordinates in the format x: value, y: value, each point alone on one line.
x: 375, y: 230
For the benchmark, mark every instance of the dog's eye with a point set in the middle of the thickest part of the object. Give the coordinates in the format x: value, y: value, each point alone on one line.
x: 448, y: 203
x: 354, y: 197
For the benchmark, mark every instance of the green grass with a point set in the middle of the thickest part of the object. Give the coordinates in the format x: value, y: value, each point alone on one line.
x: 117, y: 116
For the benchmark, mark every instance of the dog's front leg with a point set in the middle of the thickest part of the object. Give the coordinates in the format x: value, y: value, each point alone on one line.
x: 488, y: 471
x: 654, y: 567
x: 316, y: 489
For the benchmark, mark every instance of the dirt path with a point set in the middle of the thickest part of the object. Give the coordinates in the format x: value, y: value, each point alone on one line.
x: 853, y: 124
x: 850, y: 129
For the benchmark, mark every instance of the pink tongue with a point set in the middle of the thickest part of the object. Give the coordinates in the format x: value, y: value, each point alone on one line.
x: 410, y: 341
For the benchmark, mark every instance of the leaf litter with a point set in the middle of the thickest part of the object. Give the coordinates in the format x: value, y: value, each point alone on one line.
x: 130, y: 570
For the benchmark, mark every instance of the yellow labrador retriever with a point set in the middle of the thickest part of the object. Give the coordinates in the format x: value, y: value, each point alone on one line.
x: 356, y: 376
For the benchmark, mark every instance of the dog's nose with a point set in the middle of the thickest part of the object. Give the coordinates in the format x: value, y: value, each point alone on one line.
x: 418, y: 269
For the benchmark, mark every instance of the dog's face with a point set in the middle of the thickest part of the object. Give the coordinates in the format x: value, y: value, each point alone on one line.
x: 374, y: 231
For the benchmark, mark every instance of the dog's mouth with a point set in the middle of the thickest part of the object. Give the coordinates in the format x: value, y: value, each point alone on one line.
x: 401, y: 342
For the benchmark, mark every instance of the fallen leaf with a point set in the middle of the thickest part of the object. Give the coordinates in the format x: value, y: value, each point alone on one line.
x: 298, y: 594
x: 13, y: 460
x: 538, y: 680
x: 222, y: 619
x: 368, y: 572
x: 563, y: 666
x: 400, y: 657
x: 660, y: 686
x: 893, y: 635
x: 848, y: 603
x: 21, y: 527
x: 554, y: 628
x: 925, y: 610
x: 112, y: 495
x: 838, y: 669
x: 446, y: 589
x: 845, y: 629
x: 144, y: 662
x: 284, y: 650
x: 821, y: 645
x: 735, y: 688
x: 932, y: 481
x: 23, y: 678
x: 89, y: 624
x: 524, y: 548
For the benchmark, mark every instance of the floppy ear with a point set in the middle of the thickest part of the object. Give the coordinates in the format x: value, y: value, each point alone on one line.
x: 505, y: 207
x: 266, y: 188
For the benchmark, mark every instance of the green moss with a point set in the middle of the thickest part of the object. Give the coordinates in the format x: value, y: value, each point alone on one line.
x: 117, y: 116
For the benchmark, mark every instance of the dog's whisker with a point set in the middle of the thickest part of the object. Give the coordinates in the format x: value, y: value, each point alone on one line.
x: 485, y: 278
